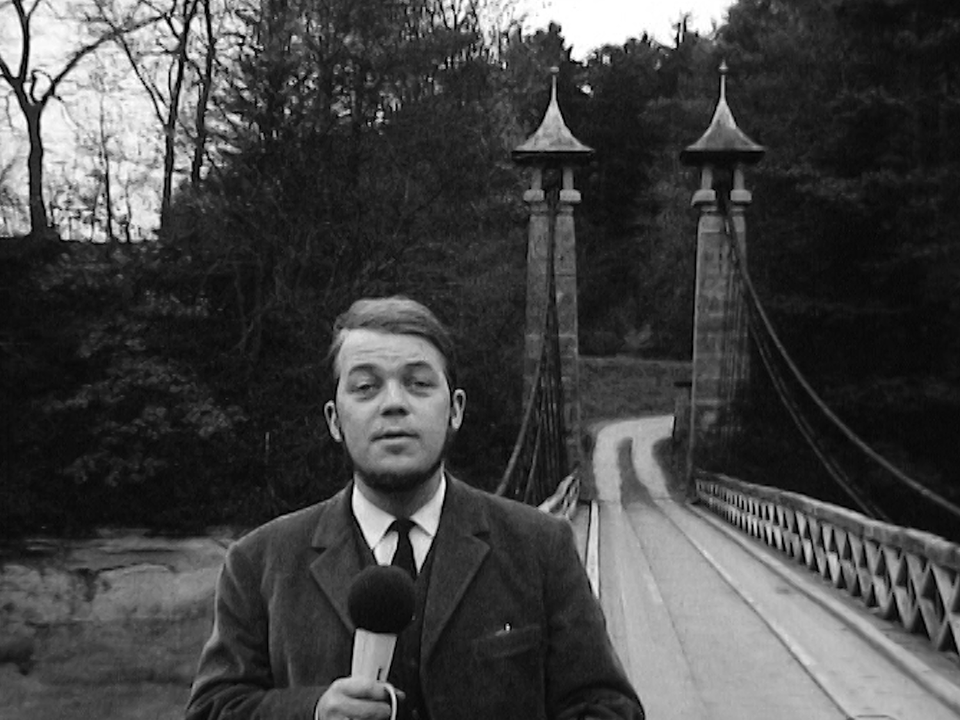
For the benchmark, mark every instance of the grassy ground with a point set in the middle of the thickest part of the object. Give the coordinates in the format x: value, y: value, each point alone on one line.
x: 625, y: 387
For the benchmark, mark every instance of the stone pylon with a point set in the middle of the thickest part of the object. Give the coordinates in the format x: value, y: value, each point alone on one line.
x: 553, y: 150
x: 720, y: 353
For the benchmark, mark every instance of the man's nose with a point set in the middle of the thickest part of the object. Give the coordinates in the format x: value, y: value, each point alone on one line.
x: 394, y: 398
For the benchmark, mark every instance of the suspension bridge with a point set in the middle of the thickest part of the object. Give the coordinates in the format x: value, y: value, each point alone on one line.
x: 728, y: 599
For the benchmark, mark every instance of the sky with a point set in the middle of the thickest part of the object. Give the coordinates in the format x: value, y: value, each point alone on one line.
x: 588, y: 24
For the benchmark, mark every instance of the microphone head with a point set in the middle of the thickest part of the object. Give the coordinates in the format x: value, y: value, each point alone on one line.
x: 382, y: 599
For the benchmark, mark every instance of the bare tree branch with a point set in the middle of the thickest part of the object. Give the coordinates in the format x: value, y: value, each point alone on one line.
x: 84, y: 51
x: 26, y: 88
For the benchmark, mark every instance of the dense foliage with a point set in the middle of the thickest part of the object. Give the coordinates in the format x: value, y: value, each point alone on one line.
x: 179, y: 383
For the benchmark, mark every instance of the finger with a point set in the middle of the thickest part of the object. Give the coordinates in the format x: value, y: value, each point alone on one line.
x: 354, y: 699
x: 345, y: 708
x: 365, y: 689
x: 359, y: 688
x: 365, y: 709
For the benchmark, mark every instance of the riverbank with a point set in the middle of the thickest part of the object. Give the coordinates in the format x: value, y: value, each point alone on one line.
x: 107, y: 628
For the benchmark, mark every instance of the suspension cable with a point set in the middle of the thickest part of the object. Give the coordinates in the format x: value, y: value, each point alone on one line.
x: 538, y: 459
x: 812, y: 394
x: 530, y: 409
x: 833, y: 468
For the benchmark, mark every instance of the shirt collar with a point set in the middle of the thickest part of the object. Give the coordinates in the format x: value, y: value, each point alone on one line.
x: 375, y: 522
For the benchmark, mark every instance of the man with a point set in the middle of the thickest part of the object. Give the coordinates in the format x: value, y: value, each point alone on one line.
x: 505, y: 624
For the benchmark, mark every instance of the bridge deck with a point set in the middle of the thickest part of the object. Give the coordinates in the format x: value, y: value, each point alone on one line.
x: 712, y: 626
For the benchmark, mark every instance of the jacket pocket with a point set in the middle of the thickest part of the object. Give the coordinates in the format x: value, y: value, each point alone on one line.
x: 507, y: 643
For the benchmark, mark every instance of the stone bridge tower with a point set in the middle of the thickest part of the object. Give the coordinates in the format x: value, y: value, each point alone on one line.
x: 553, y: 153
x: 720, y: 352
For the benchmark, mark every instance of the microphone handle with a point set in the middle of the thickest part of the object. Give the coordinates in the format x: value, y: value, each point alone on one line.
x: 372, y: 654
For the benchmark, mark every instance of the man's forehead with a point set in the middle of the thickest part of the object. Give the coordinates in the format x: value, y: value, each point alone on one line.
x: 362, y: 347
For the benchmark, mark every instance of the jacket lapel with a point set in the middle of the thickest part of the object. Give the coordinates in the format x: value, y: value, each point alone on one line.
x: 460, y: 548
x: 339, y: 561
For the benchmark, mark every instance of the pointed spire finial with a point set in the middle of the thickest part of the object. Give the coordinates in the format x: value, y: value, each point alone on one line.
x: 723, y: 80
x: 723, y: 143
x: 553, y: 140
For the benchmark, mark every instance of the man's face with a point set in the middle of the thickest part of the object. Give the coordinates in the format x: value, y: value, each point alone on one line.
x: 393, y: 408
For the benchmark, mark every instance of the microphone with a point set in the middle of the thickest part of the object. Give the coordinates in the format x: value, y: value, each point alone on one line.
x: 381, y: 604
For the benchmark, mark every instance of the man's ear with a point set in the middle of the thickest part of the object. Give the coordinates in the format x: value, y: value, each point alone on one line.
x: 333, y: 421
x: 458, y: 403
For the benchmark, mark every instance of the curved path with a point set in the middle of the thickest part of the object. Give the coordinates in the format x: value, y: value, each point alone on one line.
x: 711, y: 627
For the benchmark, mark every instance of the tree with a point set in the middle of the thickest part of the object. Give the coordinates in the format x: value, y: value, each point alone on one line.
x: 370, y: 156
x: 204, y: 91
x: 100, y: 143
x: 164, y: 65
x: 35, y: 86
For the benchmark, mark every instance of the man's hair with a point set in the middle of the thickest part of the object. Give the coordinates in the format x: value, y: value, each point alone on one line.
x: 397, y: 315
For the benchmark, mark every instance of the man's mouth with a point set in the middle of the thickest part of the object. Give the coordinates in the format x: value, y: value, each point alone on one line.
x: 393, y: 435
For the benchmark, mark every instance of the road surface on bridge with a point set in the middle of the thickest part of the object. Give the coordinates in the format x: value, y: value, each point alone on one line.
x: 710, y: 629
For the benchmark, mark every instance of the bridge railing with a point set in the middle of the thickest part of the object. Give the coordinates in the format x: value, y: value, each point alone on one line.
x: 901, y: 574
x: 563, y: 502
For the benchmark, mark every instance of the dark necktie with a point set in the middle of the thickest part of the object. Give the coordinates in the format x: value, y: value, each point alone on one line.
x: 403, y: 557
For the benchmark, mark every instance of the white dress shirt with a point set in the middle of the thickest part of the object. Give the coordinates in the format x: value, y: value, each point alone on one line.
x: 375, y: 525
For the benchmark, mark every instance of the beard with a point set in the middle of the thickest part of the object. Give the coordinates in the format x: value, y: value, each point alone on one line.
x: 397, y: 483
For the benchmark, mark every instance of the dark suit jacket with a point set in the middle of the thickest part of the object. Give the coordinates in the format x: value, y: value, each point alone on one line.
x: 282, y: 632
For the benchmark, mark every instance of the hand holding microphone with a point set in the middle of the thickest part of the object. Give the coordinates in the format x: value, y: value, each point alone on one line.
x: 381, y: 604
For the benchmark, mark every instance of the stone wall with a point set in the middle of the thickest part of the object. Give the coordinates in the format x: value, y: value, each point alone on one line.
x: 91, y: 584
